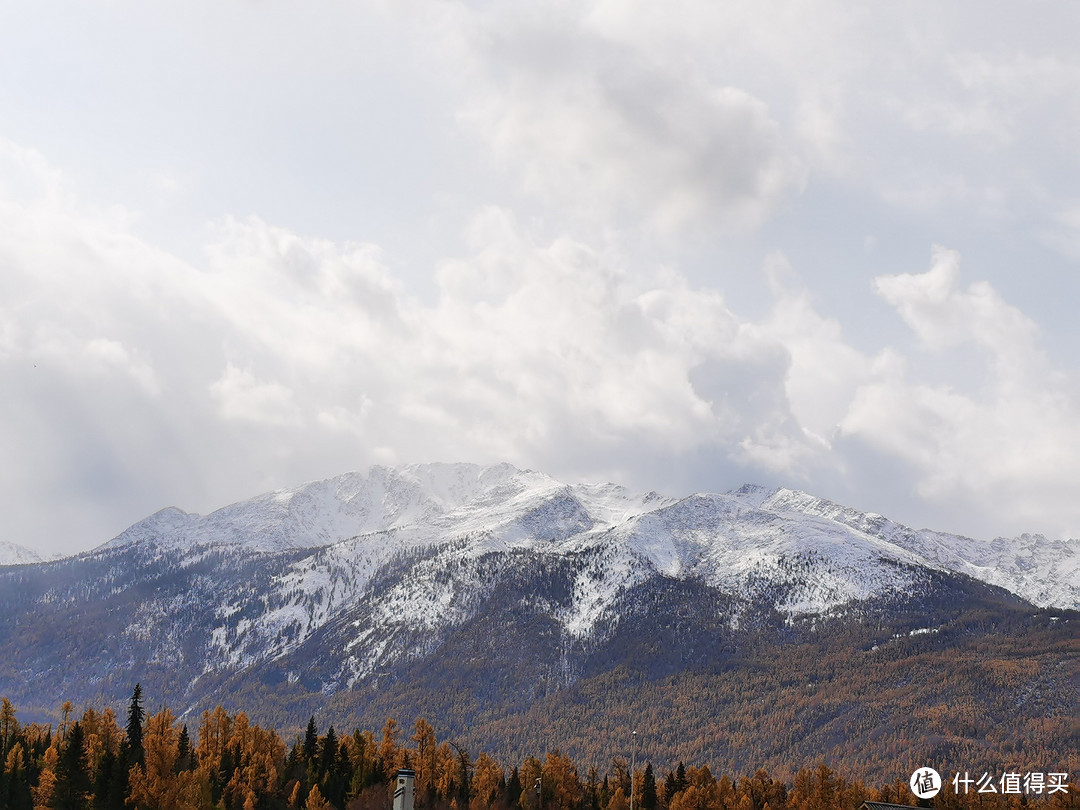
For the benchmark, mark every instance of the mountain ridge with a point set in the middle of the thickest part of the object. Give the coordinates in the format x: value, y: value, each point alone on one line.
x: 423, y: 503
x: 505, y: 604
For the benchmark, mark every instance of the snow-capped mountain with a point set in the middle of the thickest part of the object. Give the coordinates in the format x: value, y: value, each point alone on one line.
x: 1044, y: 572
x: 336, y: 586
x: 12, y: 554
x: 331, y: 538
x: 356, y: 522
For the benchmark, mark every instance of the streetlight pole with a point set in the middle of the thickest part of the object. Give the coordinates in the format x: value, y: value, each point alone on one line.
x: 633, y: 763
x: 540, y: 791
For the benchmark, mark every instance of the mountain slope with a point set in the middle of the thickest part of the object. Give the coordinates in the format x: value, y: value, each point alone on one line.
x: 483, y: 593
x: 1044, y: 572
x: 11, y: 554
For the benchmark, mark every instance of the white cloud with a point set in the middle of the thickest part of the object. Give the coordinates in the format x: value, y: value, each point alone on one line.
x: 1011, y: 446
x: 243, y: 397
x: 533, y: 351
x: 824, y: 370
x: 596, y: 125
x: 984, y: 98
x: 551, y: 353
x: 580, y: 327
x: 112, y: 354
x: 944, y: 316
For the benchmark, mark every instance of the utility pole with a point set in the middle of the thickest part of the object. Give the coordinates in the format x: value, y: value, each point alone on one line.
x: 633, y: 762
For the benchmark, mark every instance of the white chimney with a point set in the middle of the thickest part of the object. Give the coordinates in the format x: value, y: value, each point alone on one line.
x: 403, y: 790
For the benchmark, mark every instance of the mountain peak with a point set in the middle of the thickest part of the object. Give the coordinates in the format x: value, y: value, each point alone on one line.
x: 13, y: 554
x: 386, y: 510
x: 752, y: 494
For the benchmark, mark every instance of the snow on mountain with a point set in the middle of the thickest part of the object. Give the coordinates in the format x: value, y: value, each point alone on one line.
x: 456, y: 525
x: 488, y: 509
x: 12, y: 554
x: 320, y: 513
x: 745, y: 550
x: 1044, y: 572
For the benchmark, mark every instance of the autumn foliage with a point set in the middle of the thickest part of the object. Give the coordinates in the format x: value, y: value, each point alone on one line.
x: 153, y: 764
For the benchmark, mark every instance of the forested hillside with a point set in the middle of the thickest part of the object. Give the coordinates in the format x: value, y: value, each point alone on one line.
x: 738, y: 631
x: 957, y: 675
x: 154, y: 763
x: 958, y: 672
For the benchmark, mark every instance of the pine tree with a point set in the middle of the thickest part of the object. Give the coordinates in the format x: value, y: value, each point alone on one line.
x: 648, y: 789
x: 513, y: 788
x: 9, y: 727
x: 463, y: 777
x: 46, y: 781
x: 426, y: 743
x: 16, y: 783
x: 108, y: 788
x: 362, y: 772
x: 136, y: 717
x: 183, y: 757
x: 72, y: 780
x: 592, y: 789
x: 680, y: 778
x: 388, y: 749
x: 311, y: 741
x: 158, y: 784
x: 315, y: 801
x: 329, y: 753
x: 670, y: 788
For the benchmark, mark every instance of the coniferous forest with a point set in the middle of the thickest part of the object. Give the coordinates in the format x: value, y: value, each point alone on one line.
x: 100, y: 761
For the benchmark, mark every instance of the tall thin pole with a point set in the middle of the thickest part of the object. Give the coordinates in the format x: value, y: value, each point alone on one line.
x: 633, y: 764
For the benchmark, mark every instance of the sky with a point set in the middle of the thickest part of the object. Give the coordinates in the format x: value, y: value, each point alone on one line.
x: 685, y: 246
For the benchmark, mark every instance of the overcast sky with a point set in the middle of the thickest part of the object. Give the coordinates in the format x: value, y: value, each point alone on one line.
x: 680, y: 246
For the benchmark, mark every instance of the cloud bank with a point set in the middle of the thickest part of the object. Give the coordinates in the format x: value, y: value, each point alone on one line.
x: 290, y: 354
x: 680, y: 248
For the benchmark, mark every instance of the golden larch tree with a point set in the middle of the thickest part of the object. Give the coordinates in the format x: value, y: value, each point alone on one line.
x: 156, y: 785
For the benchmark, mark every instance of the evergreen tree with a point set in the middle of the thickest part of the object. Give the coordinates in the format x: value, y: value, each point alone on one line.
x: 513, y: 788
x: 311, y: 741
x: 362, y: 772
x: 648, y: 789
x: 294, y: 766
x: 183, y: 755
x: 230, y: 761
x: 136, y: 716
x: 337, y: 777
x: 680, y: 777
x: 108, y: 786
x: 671, y: 787
x: 329, y: 754
x: 72, y: 780
x: 9, y: 727
x: 16, y: 782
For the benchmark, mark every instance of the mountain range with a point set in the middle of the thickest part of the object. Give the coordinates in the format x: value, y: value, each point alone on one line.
x: 509, y: 606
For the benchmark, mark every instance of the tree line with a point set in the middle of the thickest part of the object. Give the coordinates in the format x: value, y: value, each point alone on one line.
x: 154, y: 763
